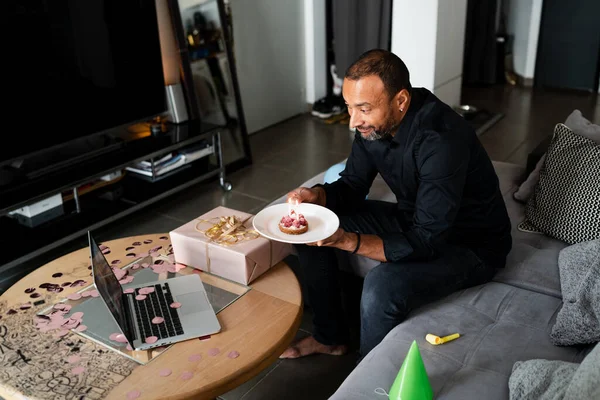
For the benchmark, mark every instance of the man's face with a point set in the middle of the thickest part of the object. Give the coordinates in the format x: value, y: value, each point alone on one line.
x: 373, y: 112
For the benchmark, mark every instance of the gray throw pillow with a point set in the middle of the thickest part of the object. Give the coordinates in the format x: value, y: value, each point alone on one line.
x: 556, y: 380
x: 578, y: 320
x: 526, y: 189
x: 583, y: 127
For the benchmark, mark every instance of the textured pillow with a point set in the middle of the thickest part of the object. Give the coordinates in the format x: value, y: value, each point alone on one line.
x: 580, y: 126
x: 578, y: 320
x: 566, y: 201
x: 556, y: 380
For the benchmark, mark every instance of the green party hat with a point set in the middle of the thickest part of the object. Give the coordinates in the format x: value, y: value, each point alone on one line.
x: 412, y: 382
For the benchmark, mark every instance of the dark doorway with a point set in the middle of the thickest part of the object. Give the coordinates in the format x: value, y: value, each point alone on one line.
x: 569, y: 45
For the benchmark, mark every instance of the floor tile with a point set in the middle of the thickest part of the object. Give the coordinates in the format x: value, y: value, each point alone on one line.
x: 312, y: 377
x: 199, y: 199
x: 141, y: 223
x: 311, y: 164
x: 240, y: 391
x: 266, y: 183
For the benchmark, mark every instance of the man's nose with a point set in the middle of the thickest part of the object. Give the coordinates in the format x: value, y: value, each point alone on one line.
x: 355, y: 119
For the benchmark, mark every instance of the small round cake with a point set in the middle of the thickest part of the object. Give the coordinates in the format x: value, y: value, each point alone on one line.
x: 293, y: 224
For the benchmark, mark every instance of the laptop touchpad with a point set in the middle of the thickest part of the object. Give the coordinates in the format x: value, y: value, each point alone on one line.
x: 193, y: 303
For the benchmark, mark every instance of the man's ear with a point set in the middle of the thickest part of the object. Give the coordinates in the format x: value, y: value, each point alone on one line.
x: 402, y: 100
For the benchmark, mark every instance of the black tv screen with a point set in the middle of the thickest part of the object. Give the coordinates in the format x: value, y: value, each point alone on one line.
x: 75, y: 68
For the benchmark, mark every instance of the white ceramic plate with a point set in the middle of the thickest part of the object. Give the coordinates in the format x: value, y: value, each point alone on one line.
x: 322, y: 223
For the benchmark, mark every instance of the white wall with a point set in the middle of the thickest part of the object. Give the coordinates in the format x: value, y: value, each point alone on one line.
x: 450, y: 44
x: 315, y: 50
x: 428, y: 35
x: 414, y: 34
x: 523, y: 24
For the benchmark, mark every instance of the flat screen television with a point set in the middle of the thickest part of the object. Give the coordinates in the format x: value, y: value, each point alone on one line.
x: 75, y: 69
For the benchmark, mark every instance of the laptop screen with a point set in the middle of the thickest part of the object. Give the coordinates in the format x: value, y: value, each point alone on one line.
x: 109, y: 287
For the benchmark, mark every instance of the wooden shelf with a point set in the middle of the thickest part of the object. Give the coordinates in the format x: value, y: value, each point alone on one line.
x: 96, y: 210
x: 130, y: 147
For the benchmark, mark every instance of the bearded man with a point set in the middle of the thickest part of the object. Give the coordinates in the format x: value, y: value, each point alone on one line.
x: 448, y: 230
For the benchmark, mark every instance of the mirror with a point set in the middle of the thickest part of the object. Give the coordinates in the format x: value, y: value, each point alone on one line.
x: 205, y: 29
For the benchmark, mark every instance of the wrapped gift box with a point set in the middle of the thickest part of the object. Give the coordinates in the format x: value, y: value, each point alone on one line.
x: 241, y: 262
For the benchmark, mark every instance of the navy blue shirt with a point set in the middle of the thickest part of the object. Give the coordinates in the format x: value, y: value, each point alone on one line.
x: 445, y: 185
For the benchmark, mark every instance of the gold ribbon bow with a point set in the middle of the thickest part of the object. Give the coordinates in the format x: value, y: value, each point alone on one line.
x: 227, y: 230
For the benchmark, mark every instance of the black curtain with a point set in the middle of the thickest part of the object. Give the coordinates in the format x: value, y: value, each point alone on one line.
x: 481, y: 59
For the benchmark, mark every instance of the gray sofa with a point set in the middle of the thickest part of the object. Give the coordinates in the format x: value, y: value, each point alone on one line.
x: 501, y: 322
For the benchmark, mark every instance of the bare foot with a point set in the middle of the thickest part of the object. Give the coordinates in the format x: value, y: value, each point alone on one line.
x: 309, y: 345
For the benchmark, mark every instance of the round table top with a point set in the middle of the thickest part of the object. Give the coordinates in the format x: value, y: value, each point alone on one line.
x: 42, y: 365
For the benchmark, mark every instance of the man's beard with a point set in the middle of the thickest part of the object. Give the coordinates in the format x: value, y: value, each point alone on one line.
x: 385, y: 132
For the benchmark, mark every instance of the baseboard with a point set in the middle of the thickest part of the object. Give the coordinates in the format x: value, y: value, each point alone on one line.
x: 525, y: 82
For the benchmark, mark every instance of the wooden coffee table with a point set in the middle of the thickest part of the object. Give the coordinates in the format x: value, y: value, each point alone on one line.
x: 33, y: 364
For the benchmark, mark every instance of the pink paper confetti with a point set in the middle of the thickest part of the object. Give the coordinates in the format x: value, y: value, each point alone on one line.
x: 158, y: 320
x: 81, y: 328
x: 126, y: 280
x: 233, y: 354
x: 135, y: 266
x: 186, y: 376
x: 87, y: 293
x: 148, y: 241
x: 128, y: 347
x: 74, y: 296
x: 165, y: 372
x: 78, y: 370
x: 77, y: 315
x: 164, y: 238
x: 204, y: 338
x: 134, y: 394
x: 130, y: 255
x: 62, y: 333
x: 140, y: 297
x: 119, y: 273
x: 146, y: 290
x: 95, y: 293
x: 145, y: 265
x: 151, y: 339
x: 213, y: 352
x: 118, y: 337
x: 103, y: 247
x: 73, y: 359
x: 195, y: 357
x: 116, y: 262
x: 175, y: 305
x: 130, y: 290
x: 136, y: 243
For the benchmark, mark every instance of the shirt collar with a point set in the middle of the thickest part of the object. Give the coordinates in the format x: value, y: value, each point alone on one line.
x: 416, y: 101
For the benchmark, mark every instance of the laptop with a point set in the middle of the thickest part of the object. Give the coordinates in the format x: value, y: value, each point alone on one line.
x: 194, y: 318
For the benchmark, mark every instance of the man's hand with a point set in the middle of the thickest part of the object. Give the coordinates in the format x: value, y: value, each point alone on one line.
x: 307, y: 195
x: 340, y: 239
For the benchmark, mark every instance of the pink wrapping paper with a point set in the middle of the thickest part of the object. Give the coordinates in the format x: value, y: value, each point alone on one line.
x: 242, y: 262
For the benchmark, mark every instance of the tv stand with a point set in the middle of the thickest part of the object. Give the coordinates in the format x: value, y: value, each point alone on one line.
x: 89, y: 203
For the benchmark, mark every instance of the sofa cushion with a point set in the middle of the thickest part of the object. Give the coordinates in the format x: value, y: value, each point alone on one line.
x: 499, y: 325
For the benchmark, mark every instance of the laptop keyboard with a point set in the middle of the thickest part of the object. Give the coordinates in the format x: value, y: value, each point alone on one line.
x: 156, y: 304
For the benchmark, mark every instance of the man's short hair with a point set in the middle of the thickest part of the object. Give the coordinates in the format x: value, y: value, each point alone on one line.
x: 386, y: 65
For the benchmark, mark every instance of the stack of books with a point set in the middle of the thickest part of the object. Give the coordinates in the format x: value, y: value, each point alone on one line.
x: 171, y: 161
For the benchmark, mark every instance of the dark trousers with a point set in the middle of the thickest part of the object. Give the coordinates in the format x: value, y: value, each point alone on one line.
x: 390, y: 290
